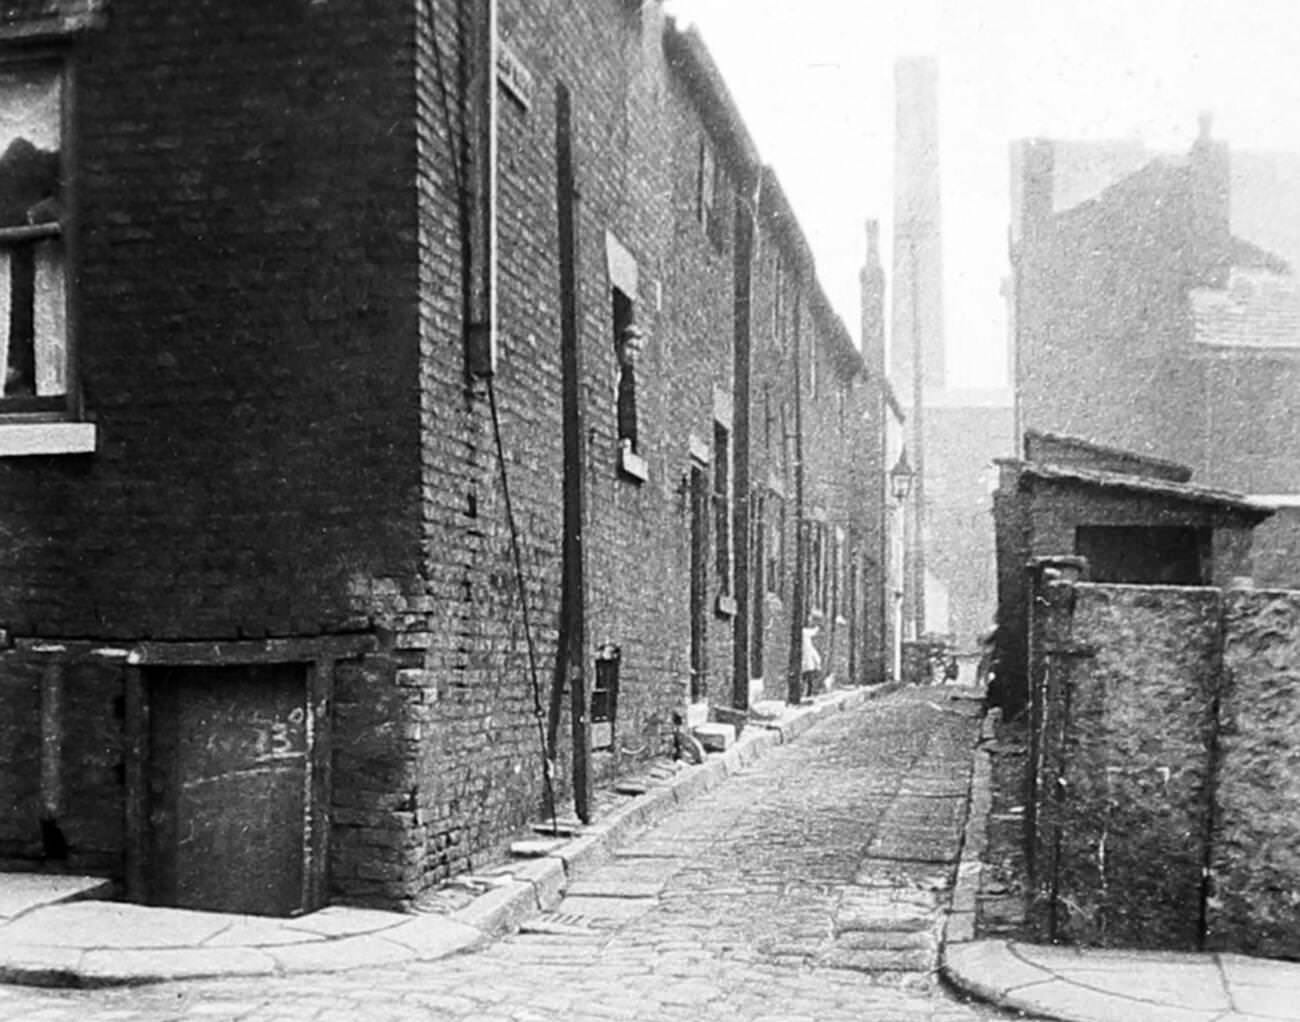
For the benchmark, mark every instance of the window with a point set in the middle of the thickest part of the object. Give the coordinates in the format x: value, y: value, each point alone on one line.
x: 816, y: 567
x: 629, y: 340
x: 767, y: 419
x: 722, y: 504
x: 774, y: 546
x: 812, y: 364
x: 33, y: 301
x: 713, y: 192
x: 624, y: 347
x: 778, y: 301
x: 837, y: 576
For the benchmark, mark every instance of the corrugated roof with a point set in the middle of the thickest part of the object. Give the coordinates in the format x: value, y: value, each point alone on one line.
x: 1186, y: 492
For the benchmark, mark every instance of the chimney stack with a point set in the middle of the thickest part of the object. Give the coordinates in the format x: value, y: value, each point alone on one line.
x: 872, y: 281
x: 917, y: 335
x: 1211, y: 205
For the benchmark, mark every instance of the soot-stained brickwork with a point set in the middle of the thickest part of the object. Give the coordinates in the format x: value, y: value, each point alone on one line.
x: 291, y: 464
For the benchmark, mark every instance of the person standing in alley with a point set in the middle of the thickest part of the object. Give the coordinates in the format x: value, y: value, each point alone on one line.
x: 812, y: 659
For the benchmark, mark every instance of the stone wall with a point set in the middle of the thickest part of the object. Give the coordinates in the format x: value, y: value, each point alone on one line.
x: 1122, y: 779
x: 1255, y: 867
x: 1163, y: 750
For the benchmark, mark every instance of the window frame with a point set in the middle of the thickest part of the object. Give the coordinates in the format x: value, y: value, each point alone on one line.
x: 65, y: 407
x: 724, y: 553
x: 57, y: 424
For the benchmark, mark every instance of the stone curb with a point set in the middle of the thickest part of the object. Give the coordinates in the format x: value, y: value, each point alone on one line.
x: 505, y: 908
x: 959, y: 926
x: 526, y: 888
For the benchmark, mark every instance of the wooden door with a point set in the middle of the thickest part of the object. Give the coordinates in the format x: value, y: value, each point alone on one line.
x: 699, y: 537
x: 227, y: 788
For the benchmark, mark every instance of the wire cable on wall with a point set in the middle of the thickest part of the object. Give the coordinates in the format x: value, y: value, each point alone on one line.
x: 538, y: 713
x: 455, y: 151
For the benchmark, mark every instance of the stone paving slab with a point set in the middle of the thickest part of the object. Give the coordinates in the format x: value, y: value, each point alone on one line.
x: 22, y: 892
x: 1109, y: 985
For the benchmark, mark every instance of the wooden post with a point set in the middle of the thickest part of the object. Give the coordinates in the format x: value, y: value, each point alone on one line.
x: 740, y: 485
x: 137, y: 796
x: 571, y: 666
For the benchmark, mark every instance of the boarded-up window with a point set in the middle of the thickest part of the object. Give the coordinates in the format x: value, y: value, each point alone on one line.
x: 33, y: 301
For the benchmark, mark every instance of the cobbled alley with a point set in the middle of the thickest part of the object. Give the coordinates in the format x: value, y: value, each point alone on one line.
x: 808, y: 886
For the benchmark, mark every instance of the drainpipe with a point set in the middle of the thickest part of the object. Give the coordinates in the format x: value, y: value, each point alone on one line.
x: 480, y: 298
x: 743, y: 268
x: 794, y: 678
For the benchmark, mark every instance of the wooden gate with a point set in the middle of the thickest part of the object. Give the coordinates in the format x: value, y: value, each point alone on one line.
x: 228, y: 787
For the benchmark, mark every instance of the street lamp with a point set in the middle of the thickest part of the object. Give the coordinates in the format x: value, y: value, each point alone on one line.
x: 900, y: 478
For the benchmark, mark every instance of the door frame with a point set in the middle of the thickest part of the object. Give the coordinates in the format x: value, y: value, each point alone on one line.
x: 319, y: 655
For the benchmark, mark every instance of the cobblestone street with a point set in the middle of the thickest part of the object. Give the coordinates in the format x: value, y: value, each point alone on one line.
x: 806, y: 887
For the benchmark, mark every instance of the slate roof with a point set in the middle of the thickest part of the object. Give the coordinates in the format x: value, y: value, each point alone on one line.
x: 1259, y: 309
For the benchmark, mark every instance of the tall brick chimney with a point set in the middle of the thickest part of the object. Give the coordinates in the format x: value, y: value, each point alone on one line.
x: 871, y: 282
x: 917, y: 334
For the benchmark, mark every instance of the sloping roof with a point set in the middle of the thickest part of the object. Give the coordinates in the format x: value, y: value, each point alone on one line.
x: 1183, y: 492
x: 1062, y: 449
x: 1259, y: 309
x: 38, y: 18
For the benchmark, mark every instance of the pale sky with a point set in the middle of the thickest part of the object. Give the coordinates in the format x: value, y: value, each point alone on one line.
x: 814, y: 81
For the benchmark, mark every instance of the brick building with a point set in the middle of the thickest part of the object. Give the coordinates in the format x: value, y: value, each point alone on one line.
x: 360, y: 410
x: 1121, y: 517
x: 1156, y: 309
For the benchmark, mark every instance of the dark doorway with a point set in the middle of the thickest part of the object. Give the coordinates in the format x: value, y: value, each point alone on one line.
x: 227, y: 788
x: 1145, y: 554
x: 699, y: 496
x: 758, y: 583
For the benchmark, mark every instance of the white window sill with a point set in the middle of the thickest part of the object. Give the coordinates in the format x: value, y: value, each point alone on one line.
x: 25, y: 438
x: 633, y: 465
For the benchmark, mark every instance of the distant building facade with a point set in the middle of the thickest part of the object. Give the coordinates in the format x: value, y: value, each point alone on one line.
x: 1156, y: 309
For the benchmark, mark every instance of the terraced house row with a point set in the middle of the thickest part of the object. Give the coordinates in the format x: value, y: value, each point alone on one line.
x: 409, y: 408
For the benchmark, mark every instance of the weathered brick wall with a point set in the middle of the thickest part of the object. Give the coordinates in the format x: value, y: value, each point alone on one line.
x: 1131, y: 685
x: 639, y: 123
x: 1256, y: 846
x: 637, y: 133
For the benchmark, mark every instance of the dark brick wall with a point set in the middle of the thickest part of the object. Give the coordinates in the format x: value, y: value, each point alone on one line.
x: 244, y: 309
x: 243, y: 239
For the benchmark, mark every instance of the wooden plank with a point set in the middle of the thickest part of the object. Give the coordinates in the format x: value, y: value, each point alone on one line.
x: 320, y: 700
x: 52, y: 800
x: 137, y: 807
x: 259, y: 651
